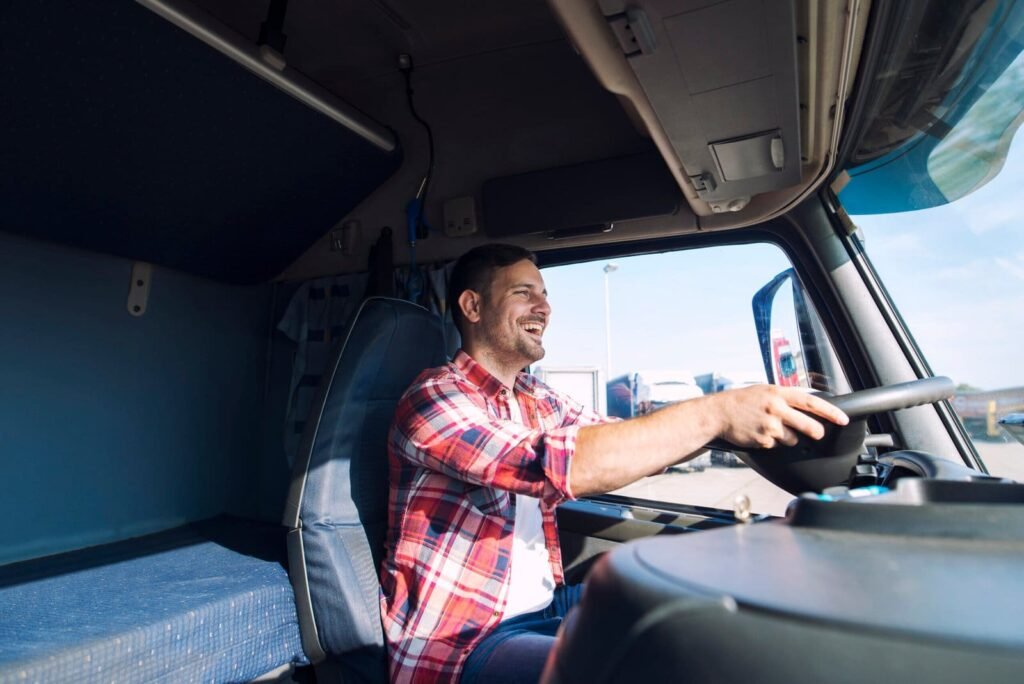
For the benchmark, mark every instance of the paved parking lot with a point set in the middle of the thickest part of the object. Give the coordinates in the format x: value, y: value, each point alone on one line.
x: 1005, y: 459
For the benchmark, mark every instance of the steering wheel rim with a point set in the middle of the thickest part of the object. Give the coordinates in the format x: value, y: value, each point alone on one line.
x: 863, y: 403
x: 812, y: 465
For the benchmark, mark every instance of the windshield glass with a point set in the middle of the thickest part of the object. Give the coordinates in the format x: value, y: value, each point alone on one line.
x: 942, y: 110
x: 956, y: 271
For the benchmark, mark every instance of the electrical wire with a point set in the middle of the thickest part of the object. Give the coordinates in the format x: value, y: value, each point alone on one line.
x: 421, y: 195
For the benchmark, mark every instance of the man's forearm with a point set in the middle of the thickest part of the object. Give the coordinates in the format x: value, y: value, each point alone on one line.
x: 615, y: 454
x: 611, y: 456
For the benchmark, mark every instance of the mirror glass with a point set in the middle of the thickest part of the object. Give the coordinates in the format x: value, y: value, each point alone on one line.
x: 789, y: 368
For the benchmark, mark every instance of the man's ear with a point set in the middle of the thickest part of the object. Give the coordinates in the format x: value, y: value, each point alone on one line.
x: 469, y: 303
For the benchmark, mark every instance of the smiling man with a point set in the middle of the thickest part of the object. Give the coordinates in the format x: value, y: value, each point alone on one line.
x: 481, y: 452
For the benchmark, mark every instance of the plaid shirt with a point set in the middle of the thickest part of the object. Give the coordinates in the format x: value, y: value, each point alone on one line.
x: 455, y: 458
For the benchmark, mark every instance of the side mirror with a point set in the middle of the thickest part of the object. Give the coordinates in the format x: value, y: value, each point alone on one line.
x: 793, y: 343
x: 777, y: 353
x: 1014, y: 424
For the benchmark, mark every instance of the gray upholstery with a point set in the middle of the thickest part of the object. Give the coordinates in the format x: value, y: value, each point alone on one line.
x: 337, y: 505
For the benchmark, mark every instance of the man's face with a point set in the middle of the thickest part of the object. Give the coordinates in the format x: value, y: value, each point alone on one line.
x: 514, y: 314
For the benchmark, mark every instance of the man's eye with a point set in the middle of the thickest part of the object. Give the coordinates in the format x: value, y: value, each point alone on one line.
x: 523, y: 292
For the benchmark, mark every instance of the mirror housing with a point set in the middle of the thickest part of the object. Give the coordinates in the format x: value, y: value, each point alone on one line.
x: 818, y: 360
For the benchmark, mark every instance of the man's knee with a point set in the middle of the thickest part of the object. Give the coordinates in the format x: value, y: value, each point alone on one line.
x: 517, y: 657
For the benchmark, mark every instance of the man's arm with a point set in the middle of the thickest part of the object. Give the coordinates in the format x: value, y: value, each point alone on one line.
x: 446, y: 428
x: 614, y: 455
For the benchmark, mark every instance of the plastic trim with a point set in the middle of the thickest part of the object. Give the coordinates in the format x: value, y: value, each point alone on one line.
x: 289, y: 80
x: 308, y: 632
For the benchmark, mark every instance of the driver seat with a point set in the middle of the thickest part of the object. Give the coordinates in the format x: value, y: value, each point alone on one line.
x: 336, y: 511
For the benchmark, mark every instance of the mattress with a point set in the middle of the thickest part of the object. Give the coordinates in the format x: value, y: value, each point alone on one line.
x: 209, y: 602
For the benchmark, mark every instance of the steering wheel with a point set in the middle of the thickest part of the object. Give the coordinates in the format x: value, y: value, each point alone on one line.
x: 812, y: 465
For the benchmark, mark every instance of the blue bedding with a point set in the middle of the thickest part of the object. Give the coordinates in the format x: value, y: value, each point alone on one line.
x: 210, y: 602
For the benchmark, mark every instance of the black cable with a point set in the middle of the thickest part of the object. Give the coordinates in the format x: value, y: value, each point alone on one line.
x: 272, y: 30
x: 406, y: 66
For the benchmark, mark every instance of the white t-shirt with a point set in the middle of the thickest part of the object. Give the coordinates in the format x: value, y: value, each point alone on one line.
x: 531, y: 584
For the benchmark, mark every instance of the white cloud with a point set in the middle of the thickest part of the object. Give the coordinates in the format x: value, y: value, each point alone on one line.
x: 986, y: 217
x: 968, y: 272
x: 1014, y: 266
x: 879, y: 240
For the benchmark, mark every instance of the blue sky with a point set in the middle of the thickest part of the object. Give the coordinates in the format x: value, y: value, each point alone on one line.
x: 683, y: 310
x: 956, y: 273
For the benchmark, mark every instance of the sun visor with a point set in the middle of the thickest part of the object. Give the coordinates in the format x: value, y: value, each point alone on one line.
x: 722, y: 79
x: 580, y: 199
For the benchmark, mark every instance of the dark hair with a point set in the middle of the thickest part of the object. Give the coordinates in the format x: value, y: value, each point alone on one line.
x: 475, y: 271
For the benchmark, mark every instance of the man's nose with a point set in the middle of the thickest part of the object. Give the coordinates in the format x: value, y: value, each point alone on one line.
x: 541, y: 305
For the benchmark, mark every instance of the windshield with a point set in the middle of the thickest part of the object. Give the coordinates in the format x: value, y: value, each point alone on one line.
x: 943, y: 110
x: 941, y: 221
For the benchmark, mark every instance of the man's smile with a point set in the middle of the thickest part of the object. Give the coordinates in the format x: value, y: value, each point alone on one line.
x: 534, y: 328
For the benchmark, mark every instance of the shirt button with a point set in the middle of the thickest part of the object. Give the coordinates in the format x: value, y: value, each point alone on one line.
x: 497, y: 613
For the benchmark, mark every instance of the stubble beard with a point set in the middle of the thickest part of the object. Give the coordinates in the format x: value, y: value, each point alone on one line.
x: 515, y: 350
x: 534, y: 351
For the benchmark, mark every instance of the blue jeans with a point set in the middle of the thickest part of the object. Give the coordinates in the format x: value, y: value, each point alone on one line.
x: 517, y: 649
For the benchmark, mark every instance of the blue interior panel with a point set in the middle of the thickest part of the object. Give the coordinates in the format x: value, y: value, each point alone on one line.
x: 113, y: 426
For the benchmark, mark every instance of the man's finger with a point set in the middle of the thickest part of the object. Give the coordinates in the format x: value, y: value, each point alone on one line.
x: 811, y: 404
x: 801, y: 422
x: 789, y: 436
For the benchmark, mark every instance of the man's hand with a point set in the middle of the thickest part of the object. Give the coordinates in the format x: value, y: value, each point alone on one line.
x: 766, y: 416
x: 613, y: 455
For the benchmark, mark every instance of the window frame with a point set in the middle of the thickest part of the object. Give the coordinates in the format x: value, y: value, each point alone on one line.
x: 787, y: 234
x: 901, y: 332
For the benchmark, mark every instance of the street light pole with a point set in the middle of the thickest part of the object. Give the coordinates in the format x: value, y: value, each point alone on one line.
x: 608, y: 268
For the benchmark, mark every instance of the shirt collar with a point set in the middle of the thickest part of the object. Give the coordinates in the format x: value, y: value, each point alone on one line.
x: 488, y: 384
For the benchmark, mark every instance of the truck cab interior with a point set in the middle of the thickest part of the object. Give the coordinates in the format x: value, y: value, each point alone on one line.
x: 226, y: 231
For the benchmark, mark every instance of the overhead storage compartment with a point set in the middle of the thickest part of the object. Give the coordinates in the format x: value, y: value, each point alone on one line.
x: 722, y: 79
x: 126, y: 135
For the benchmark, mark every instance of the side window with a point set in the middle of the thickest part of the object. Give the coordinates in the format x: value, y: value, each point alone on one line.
x: 631, y: 335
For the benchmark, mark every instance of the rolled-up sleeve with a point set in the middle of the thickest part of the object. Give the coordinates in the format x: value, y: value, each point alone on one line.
x: 575, y: 413
x: 441, y: 426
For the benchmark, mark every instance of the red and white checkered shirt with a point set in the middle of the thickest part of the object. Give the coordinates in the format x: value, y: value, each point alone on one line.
x: 455, y: 457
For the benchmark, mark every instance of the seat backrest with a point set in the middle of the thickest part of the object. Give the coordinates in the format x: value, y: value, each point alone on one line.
x: 337, y: 505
